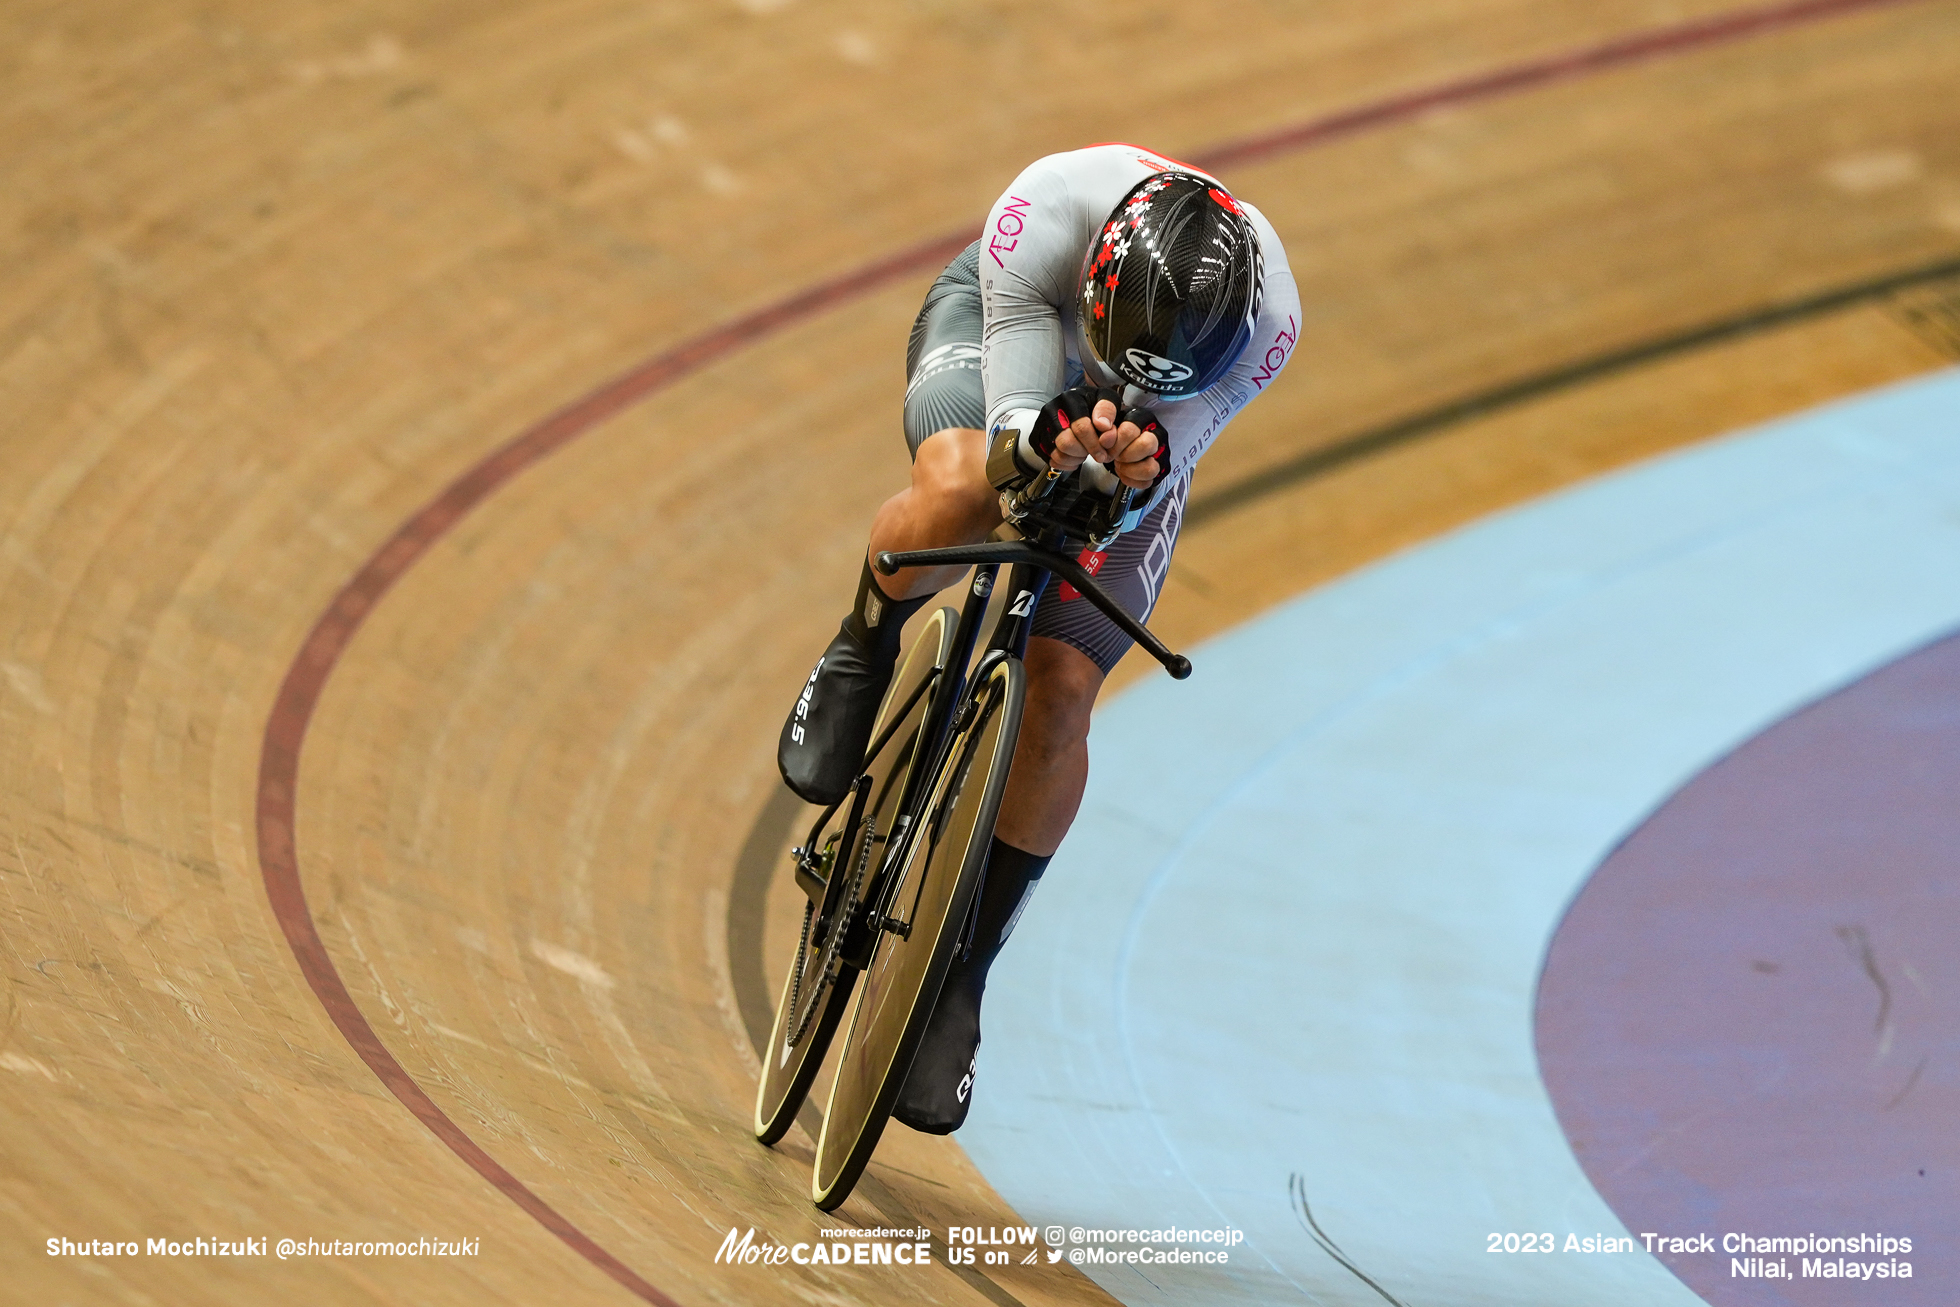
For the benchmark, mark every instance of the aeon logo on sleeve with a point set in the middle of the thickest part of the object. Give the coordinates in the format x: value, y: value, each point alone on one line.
x: 1158, y: 369
x: 1276, y: 353
x: 1008, y: 227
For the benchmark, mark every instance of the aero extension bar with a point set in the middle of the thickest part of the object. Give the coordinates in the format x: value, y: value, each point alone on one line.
x: 1021, y: 551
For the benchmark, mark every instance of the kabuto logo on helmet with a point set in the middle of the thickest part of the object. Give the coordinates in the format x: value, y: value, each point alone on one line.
x: 1156, y: 368
x: 1169, y: 288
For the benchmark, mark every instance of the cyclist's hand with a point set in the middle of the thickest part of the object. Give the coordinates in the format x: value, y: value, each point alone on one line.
x: 1077, y: 425
x: 1140, y: 455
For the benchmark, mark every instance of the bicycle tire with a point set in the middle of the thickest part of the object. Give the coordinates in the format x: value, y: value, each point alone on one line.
x: 790, y: 1065
x: 935, y: 887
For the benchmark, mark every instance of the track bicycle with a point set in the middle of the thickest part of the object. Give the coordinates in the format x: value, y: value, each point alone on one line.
x: 892, y: 871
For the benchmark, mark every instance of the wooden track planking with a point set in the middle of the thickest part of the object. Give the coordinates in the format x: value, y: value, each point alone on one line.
x: 1673, y: 193
x: 685, y: 749
x: 281, y: 284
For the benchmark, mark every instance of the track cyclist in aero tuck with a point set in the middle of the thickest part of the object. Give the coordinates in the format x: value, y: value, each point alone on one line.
x: 1118, y: 307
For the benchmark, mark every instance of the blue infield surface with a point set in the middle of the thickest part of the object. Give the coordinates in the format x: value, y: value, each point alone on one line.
x: 1291, y: 992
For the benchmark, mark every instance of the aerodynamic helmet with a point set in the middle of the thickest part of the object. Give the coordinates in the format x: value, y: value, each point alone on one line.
x: 1170, y: 286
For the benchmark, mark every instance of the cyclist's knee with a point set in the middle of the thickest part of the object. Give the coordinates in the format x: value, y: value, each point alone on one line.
x: 950, y: 472
x: 1062, y: 686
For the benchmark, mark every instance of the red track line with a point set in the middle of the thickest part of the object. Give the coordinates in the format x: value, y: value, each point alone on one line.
x: 279, y: 862
x: 1582, y: 62
x: 299, y: 692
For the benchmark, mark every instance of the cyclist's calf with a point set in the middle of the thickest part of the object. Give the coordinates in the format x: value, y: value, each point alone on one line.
x: 1051, y: 759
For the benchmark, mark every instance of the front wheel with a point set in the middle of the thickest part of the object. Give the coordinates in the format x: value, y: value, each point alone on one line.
x: 817, y: 988
x: 920, y: 915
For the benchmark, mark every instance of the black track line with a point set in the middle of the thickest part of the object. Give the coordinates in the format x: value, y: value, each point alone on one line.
x: 1208, y: 506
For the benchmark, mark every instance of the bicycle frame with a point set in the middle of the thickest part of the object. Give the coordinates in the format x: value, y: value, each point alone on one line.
x: 947, y: 691
x: 1029, y: 564
x: 962, y: 703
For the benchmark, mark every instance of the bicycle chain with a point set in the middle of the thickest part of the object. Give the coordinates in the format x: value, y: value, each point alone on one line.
x: 796, y: 980
x: 832, y: 941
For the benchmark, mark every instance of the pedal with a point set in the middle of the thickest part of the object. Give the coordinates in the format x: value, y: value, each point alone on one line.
x: 811, y: 875
x: 813, y: 870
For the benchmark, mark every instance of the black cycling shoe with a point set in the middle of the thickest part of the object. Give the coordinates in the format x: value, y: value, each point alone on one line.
x: 823, y: 742
x: 939, y: 1087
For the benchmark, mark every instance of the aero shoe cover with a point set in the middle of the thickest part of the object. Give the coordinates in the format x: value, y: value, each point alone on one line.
x: 823, y: 742
x: 939, y: 1087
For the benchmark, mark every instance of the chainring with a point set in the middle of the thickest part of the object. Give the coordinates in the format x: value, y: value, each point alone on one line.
x: 797, y: 1024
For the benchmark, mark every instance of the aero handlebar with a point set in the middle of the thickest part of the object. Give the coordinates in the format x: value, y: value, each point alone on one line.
x: 1021, y: 551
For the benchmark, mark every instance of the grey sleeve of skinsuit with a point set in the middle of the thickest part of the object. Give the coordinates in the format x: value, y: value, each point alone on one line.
x: 1028, y: 253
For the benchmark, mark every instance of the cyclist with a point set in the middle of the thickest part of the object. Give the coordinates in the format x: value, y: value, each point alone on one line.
x: 1120, y: 308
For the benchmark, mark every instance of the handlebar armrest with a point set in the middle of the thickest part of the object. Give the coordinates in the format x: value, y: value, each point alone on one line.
x: 1011, y: 458
x: 1028, y: 482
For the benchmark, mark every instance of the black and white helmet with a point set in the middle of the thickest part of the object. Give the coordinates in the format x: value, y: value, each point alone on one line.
x: 1170, y: 287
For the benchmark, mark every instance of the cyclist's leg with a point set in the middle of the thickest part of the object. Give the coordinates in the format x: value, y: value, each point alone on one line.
x: 939, y: 1087
x: 825, y: 735
x: 1072, y: 650
x: 948, y: 503
x: 1051, y: 765
x: 1051, y: 761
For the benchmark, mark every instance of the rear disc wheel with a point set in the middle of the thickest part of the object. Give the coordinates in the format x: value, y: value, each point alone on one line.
x: 817, y: 986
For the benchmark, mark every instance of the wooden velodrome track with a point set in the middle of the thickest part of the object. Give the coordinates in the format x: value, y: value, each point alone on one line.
x: 283, y: 278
